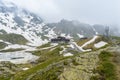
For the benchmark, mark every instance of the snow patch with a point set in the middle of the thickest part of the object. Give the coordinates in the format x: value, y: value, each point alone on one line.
x: 79, y: 47
x: 64, y: 49
x: 63, y: 34
x: 71, y: 46
x: 80, y: 36
x: 51, y: 34
x: 69, y: 36
x: 100, y: 44
x: 24, y: 69
x: 67, y: 54
x: 90, y: 41
x: 18, y: 57
x: 17, y: 46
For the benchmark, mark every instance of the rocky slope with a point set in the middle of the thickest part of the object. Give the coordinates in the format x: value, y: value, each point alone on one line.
x: 78, y: 29
x: 22, y: 22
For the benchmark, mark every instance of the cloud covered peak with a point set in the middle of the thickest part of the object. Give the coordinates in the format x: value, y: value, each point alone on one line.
x: 88, y: 11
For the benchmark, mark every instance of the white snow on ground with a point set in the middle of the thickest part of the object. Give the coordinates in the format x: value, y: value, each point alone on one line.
x: 63, y: 34
x: 38, y: 42
x: 71, y: 46
x: 79, y: 48
x: 18, y: 57
x: 24, y: 69
x: 61, y: 52
x: 100, y: 44
x: 80, y: 36
x: 54, y: 44
x: 69, y: 36
x: 51, y: 34
x: 29, y: 35
x: 67, y: 54
x: 17, y: 46
x: 29, y: 30
x: 90, y: 41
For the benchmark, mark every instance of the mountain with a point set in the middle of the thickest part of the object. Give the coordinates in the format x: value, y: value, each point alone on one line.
x: 78, y: 29
x: 20, y: 26
x: 18, y: 21
x: 73, y: 28
x: 33, y: 30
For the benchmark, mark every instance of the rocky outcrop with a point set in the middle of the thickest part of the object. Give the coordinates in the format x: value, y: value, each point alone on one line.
x: 82, y: 67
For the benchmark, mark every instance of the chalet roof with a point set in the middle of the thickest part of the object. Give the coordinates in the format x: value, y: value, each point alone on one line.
x: 60, y: 39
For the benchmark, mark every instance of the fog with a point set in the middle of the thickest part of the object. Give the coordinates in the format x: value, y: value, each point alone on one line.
x: 88, y: 11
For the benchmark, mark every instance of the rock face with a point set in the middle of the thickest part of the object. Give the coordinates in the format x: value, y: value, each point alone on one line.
x: 77, y: 29
x: 73, y: 28
x: 82, y: 67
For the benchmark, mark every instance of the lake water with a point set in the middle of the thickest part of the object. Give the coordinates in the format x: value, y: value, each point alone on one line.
x: 19, y: 57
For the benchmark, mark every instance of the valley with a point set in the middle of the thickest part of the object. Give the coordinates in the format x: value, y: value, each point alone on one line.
x: 32, y: 49
x: 54, y: 61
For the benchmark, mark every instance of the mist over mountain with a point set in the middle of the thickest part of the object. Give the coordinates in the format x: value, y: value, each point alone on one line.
x: 16, y: 20
x: 75, y: 27
x: 91, y: 12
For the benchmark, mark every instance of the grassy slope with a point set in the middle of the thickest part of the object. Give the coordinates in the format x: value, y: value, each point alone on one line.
x: 45, y: 45
x: 12, y: 50
x: 91, y: 46
x: 13, y: 38
x: 2, y: 45
x: 48, y: 75
x: 50, y: 58
x: 81, y: 42
x: 116, y: 62
x: 116, y: 40
x: 106, y: 69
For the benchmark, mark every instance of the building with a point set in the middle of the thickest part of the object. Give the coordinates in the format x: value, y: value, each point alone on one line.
x: 83, y: 38
x: 60, y: 39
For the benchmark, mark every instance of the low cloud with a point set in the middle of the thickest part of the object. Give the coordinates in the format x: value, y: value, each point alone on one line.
x: 89, y: 11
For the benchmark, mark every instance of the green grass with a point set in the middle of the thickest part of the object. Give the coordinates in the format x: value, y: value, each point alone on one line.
x: 12, y: 50
x: 47, y: 58
x: 51, y: 74
x: 2, y: 77
x: 13, y: 38
x: 104, y: 56
x: 116, y: 40
x: 2, y: 45
x: 115, y: 37
x: 91, y: 46
x: 50, y: 58
x: 81, y: 42
x: 3, y: 31
x: 25, y: 74
x: 45, y: 45
x: 105, y: 69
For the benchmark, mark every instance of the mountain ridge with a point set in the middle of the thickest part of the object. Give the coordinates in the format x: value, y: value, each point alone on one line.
x: 32, y: 27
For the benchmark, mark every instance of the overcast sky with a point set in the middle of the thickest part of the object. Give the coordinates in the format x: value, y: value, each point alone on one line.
x: 88, y: 11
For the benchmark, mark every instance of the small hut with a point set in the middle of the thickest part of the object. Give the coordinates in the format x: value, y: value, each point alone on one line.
x: 60, y: 39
